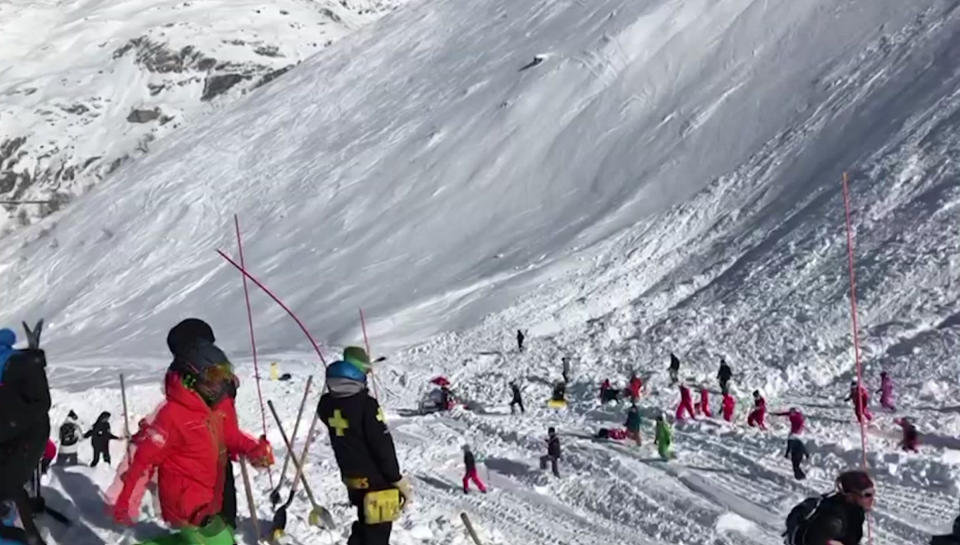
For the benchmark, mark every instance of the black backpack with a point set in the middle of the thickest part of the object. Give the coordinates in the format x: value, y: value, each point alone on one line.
x: 68, y: 434
x: 799, y: 517
x: 24, y: 418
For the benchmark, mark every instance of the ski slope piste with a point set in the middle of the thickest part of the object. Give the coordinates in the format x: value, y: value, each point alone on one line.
x: 620, y: 180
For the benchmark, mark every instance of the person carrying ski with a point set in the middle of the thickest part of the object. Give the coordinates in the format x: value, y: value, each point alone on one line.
x: 910, y: 438
x: 516, y: 400
x: 797, y: 453
x: 553, y: 452
x: 663, y: 438
x: 727, y: 406
x: 860, y: 398
x: 635, y: 385
x: 886, y: 392
x: 187, y: 442
x: 70, y: 433
x: 674, y: 369
x: 796, y: 420
x: 836, y: 518
x: 686, y: 403
x: 724, y: 374
x: 633, y: 423
x: 520, y: 338
x: 364, y: 449
x: 100, y: 438
x: 470, y: 464
x: 704, y: 405
x: 24, y: 424
x: 758, y: 416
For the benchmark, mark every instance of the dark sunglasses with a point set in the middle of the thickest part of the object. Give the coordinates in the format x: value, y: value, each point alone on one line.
x: 868, y: 494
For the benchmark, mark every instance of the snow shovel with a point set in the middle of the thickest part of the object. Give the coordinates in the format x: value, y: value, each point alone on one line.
x: 319, y: 515
x: 275, y: 494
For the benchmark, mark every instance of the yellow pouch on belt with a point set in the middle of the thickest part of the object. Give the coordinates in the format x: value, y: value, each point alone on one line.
x: 382, y: 506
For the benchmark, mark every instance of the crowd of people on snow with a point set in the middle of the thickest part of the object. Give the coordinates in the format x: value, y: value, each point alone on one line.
x: 185, y: 450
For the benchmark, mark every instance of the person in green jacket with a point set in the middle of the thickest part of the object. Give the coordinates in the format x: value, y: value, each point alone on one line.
x: 633, y: 423
x: 663, y: 438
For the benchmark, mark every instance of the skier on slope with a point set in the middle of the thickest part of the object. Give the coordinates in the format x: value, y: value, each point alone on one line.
x: 100, y: 437
x: 663, y: 438
x: 836, y: 518
x: 727, y: 405
x: 180, y: 339
x: 686, y: 403
x: 886, y: 392
x: 635, y: 386
x: 674, y: 369
x: 553, y: 452
x: 704, y: 405
x: 633, y: 423
x: 860, y: 398
x: 724, y: 374
x: 70, y: 433
x: 187, y: 441
x: 364, y: 449
x: 757, y: 417
x: 470, y: 473
x: 516, y: 399
x: 911, y: 438
x: 797, y: 420
x: 797, y: 453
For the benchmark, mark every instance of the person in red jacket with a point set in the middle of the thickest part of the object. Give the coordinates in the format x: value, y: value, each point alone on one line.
x: 796, y: 420
x: 860, y: 398
x: 635, y: 385
x: 686, y: 403
x: 187, y: 442
x: 757, y: 417
x: 704, y: 405
x: 728, y: 405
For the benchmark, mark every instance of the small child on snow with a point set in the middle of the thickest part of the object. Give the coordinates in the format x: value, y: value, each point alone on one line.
x: 553, y: 452
x: 910, y: 438
x: 100, y: 437
x: 663, y: 438
x: 686, y: 403
x: 758, y: 415
x: 728, y: 405
x: 633, y: 423
x: 704, y: 405
x: 886, y: 392
x: 470, y: 464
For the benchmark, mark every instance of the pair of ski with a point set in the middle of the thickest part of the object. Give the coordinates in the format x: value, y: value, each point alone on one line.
x: 319, y: 516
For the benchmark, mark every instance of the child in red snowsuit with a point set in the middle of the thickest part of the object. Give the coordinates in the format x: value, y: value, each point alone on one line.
x: 686, y: 403
x: 635, y: 386
x: 796, y: 420
x: 758, y: 415
x: 886, y: 392
x: 728, y: 405
x: 704, y: 405
x: 910, y: 436
x: 859, y: 407
x: 471, y: 474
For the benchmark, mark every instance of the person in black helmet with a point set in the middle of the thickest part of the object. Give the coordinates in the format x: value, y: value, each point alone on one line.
x: 363, y: 448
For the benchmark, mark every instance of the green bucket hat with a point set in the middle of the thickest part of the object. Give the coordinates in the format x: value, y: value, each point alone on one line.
x: 357, y: 357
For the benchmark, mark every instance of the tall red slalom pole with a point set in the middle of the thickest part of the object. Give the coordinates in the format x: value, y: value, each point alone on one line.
x: 366, y: 343
x: 856, y: 334
x: 253, y: 339
x: 277, y: 300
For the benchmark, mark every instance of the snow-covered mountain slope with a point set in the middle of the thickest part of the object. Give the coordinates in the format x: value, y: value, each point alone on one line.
x: 622, y: 179
x: 88, y: 85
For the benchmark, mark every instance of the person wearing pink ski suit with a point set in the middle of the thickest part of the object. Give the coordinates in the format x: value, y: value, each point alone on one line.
x: 686, y: 403
x: 796, y: 420
x: 886, y: 392
x: 728, y: 405
x: 758, y: 415
x: 860, y: 392
x: 704, y: 405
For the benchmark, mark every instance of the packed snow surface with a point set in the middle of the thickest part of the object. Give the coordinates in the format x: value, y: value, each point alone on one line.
x: 621, y: 179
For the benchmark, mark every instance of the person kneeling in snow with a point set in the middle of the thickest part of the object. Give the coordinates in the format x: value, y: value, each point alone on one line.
x: 188, y: 441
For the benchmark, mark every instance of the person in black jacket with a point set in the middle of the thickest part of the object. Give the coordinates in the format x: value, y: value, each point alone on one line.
x: 520, y: 338
x: 517, y: 400
x: 553, y: 451
x: 363, y: 448
x: 100, y: 438
x: 723, y: 375
x: 797, y: 453
x: 674, y: 369
x: 838, y: 519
